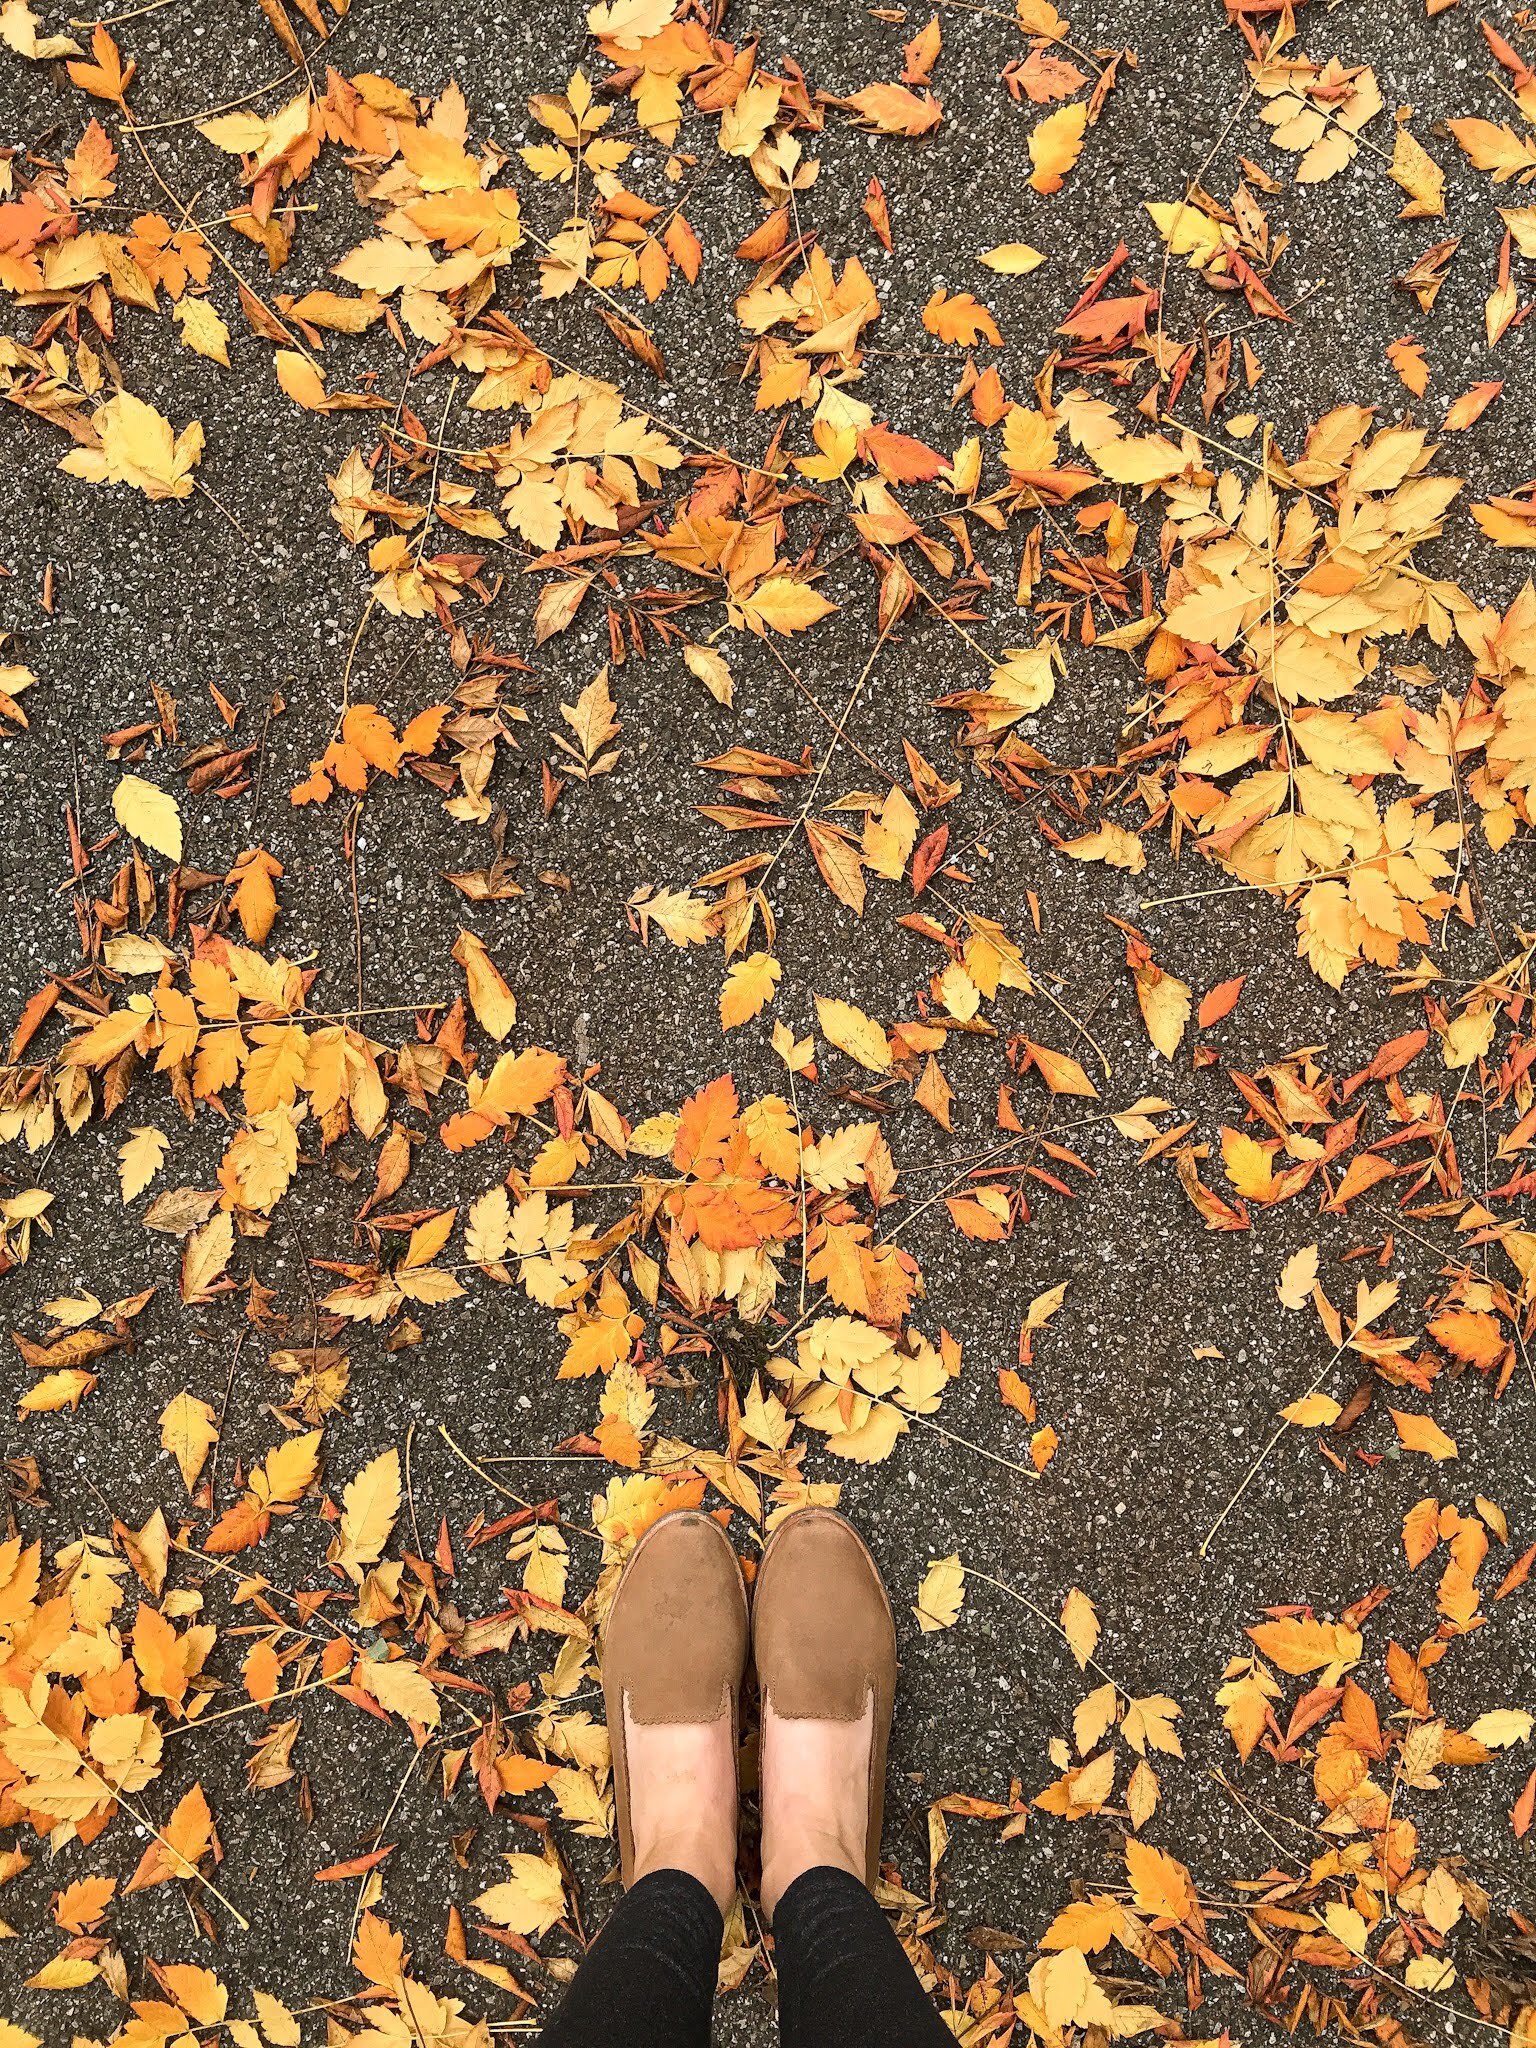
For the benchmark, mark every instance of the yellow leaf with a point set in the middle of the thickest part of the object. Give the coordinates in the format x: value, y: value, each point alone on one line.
x: 1347, y: 1926
x: 1165, y: 1005
x: 488, y: 1226
x: 1417, y: 173
x: 1437, y: 1973
x: 1297, y: 1278
x: 428, y: 1239
x: 1080, y: 1626
x: 370, y: 1504
x: 139, y: 1159
x: 188, y: 1431
x: 940, y: 1595
x: 1420, y: 1433
x: 1249, y: 1165
x: 148, y: 814
x: 530, y: 1901
x: 288, y: 1469
x: 1313, y: 1411
x: 278, y: 2024
x: 1055, y: 144
x: 1012, y: 259
x: 403, y: 1687
x: 492, y: 1001
x: 1468, y: 1037
x: 749, y: 984
x: 18, y: 31
x: 629, y: 23
x: 66, y: 1388
x: 854, y: 1033
x: 138, y: 447
x: 838, y: 861
x: 593, y: 719
x: 1023, y: 682
x: 709, y: 665
x: 62, y: 1973
x: 202, y: 329
x: 1501, y: 1726
x: 1067, y: 1992
x: 784, y: 605
x: 1492, y: 147
x: 1110, y: 843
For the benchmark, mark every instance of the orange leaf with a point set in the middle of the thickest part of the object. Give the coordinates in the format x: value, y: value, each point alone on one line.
x: 106, y: 76
x: 262, y: 1673
x: 355, y: 1866
x: 184, y: 1839
x: 1220, y: 1001
x: 522, y: 1774
x: 238, y: 1527
x: 367, y: 729
x: 424, y: 730
x: 901, y: 457
x: 1524, y: 1810
x: 1162, y: 1886
x: 1421, y: 1531
x: 893, y: 110
x: 160, y: 1655
x: 1016, y: 1393
x: 1059, y: 1071
x: 81, y: 1904
x: 1471, y: 406
x: 1471, y: 1335
x: 1421, y: 1433
x: 960, y: 319
x: 1055, y: 146
x: 315, y: 787
x: 704, y: 1128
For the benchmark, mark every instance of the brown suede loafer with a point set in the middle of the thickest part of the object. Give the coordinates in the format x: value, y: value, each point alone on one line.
x: 675, y: 1647
x: 824, y: 1641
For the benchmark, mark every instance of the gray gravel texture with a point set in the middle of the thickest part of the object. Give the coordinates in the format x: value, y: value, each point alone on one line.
x: 1153, y: 1439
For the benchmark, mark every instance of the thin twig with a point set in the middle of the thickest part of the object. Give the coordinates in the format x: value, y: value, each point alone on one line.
x: 1253, y: 1470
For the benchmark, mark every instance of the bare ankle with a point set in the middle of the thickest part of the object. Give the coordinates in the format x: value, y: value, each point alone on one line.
x: 815, y: 1778
x: 810, y: 1849
x: 698, y: 1852
x: 682, y: 1801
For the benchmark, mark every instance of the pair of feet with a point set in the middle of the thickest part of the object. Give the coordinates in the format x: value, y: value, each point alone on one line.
x: 675, y: 1653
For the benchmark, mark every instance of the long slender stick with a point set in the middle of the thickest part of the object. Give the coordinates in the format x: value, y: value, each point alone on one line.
x: 1253, y: 1470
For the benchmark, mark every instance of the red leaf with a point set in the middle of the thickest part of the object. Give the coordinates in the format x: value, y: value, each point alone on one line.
x: 927, y: 858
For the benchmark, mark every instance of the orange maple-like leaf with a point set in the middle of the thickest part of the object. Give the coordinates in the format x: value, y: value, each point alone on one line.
x: 107, y: 76
x: 704, y: 1128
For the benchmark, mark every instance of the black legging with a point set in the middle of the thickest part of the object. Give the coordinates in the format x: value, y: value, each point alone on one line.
x: 648, y: 1981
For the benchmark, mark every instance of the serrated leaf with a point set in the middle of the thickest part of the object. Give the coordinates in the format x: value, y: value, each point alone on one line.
x: 148, y: 814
